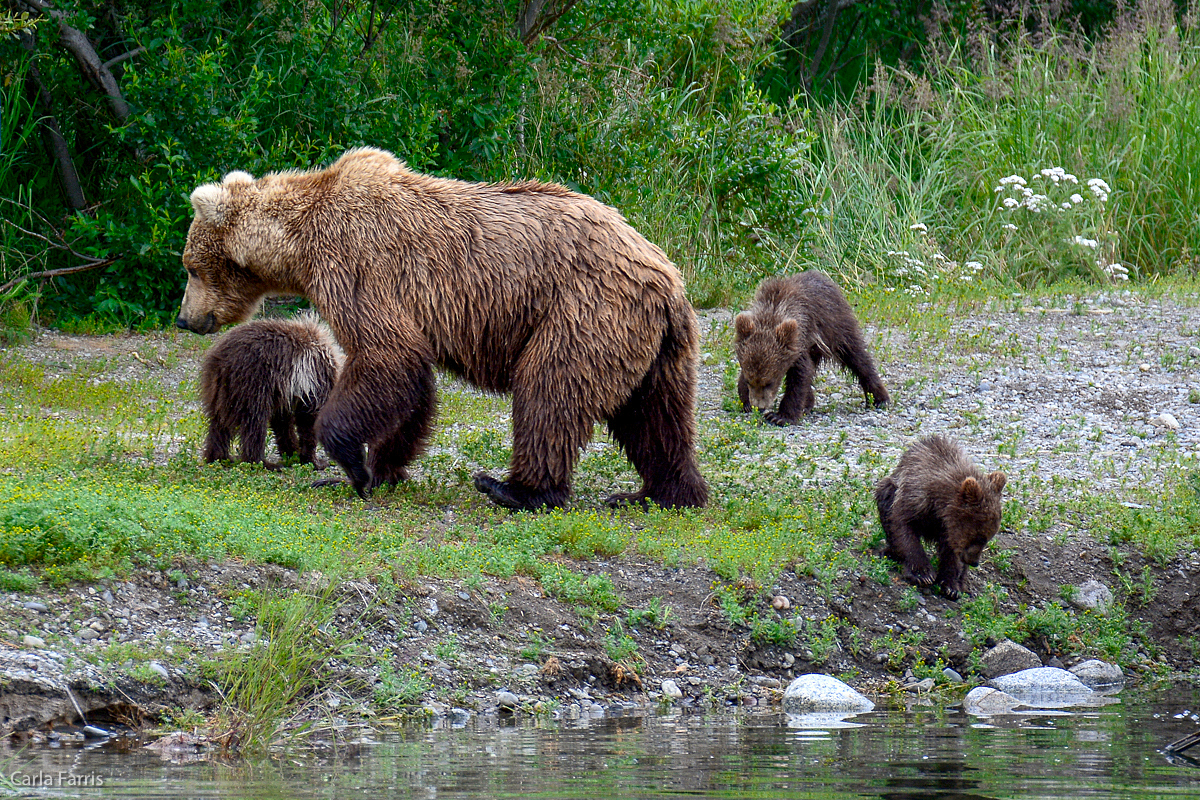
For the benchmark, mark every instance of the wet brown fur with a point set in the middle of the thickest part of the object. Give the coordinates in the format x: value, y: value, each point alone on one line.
x: 525, y: 288
x: 938, y: 494
x: 269, y: 372
x: 793, y: 324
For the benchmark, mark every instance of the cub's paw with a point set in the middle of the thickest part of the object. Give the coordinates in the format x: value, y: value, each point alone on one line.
x: 775, y: 418
x: 921, y: 576
x: 623, y: 499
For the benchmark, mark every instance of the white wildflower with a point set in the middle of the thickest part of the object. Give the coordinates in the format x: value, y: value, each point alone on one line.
x: 965, y: 278
x: 1099, y: 189
x: 919, y: 226
x: 1008, y: 226
x: 1011, y: 202
x: 938, y: 257
x: 1085, y: 242
x: 1076, y: 198
x: 1066, y: 206
x: 1012, y: 180
x: 975, y: 265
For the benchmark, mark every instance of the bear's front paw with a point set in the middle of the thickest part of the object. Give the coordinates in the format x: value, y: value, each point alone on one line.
x: 921, y: 576
x: 775, y: 418
x: 320, y: 464
x: 951, y: 592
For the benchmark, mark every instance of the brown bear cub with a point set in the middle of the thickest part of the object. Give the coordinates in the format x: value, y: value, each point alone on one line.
x: 276, y: 372
x: 937, y: 493
x: 794, y: 323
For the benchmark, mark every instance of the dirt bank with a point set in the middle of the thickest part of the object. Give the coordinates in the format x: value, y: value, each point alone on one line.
x: 1099, y: 396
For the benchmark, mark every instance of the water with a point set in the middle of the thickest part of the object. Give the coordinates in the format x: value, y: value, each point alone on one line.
x: 923, y: 752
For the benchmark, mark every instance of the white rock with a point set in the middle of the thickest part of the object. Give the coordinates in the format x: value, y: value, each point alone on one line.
x: 818, y: 692
x: 33, y: 642
x: 1165, y: 420
x: 1044, y: 687
x: 1094, y: 596
x: 984, y: 701
x: 671, y: 689
x: 1098, y: 674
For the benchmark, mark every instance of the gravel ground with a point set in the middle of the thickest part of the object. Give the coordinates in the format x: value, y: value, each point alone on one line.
x: 1098, y: 397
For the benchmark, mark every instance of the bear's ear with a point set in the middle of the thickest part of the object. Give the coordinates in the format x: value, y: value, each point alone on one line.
x: 211, y: 203
x: 971, y: 491
x: 237, y: 176
x: 787, y: 331
x: 997, y: 479
x: 743, y: 323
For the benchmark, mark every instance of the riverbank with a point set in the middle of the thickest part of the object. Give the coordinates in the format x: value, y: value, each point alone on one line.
x: 430, y: 602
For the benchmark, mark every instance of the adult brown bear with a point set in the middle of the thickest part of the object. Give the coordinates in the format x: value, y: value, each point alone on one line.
x: 526, y: 288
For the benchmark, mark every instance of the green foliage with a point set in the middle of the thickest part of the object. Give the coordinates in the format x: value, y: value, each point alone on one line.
x: 261, y: 685
x: 399, y: 688
x: 17, y: 581
x: 656, y: 614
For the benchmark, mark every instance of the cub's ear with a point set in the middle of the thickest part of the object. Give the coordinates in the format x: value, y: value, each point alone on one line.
x: 211, y: 203
x: 971, y: 491
x: 237, y: 176
x: 997, y: 480
x: 787, y: 331
x: 743, y: 323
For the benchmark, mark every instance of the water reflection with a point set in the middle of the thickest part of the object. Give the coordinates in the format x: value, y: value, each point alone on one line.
x: 920, y: 752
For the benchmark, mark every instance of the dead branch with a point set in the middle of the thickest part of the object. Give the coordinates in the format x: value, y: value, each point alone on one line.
x: 52, y: 273
x: 538, y: 16
x: 51, y: 133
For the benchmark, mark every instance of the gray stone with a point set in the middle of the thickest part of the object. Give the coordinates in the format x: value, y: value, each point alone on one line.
x: 984, y: 701
x: 952, y: 676
x: 92, y: 732
x: 38, y: 607
x: 1093, y: 596
x: 1008, y: 657
x: 1165, y: 420
x: 671, y: 689
x: 1098, y: 674
x: 1044, y: 687
x: 160, y: 669
x: 507, y: 700
x: 88, y: 633
x: 816, y: 692
x: 33, y: 642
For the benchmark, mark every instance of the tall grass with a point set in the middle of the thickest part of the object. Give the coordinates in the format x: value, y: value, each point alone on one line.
x: 897, y: 183
x: 932, y: 149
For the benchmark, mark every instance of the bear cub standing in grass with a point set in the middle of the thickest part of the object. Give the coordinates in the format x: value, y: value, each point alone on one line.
x: 795, y: 322
x: 937, y: 493
x: 268, y: 371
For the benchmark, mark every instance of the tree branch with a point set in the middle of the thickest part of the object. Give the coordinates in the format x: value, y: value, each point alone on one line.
x: 112, y: 62
x: 538, y: 16
x: 95, y: 70
x: 53, y: 273
x: 51, y: 133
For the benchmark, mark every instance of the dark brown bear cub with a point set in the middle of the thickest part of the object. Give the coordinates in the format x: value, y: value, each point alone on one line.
x: 275, y: 372
x: 937, y: 493
x: 794, y: 323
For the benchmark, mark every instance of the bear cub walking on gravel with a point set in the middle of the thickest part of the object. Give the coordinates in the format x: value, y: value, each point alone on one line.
x: 794, y: 323
x: 276, y: 372
x: 937, y: 493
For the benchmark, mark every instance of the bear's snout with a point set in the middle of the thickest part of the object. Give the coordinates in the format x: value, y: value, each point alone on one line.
x: 207, y: 325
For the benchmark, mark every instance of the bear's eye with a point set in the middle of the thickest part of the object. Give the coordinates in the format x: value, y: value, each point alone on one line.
x: 192, y: 273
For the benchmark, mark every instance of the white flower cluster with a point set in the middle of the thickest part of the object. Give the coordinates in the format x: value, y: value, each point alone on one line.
x: 937, y: 268
x: 1022, y: 196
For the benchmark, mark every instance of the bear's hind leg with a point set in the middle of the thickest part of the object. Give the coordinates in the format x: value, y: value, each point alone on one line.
x: 657, y: 430
x: 218, y: 441
x: 854, y: 357
x: 283, y: 426
x: 306, y: 436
